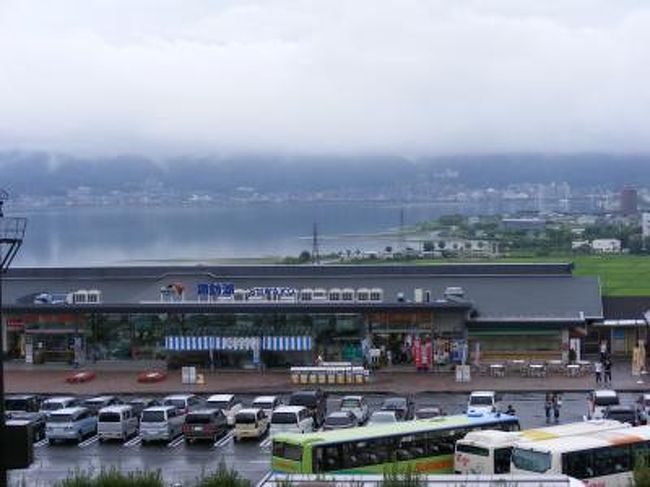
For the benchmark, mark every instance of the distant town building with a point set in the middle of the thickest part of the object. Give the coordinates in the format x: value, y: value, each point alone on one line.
x: 629, y: 200
x: 606, y: 245
x: 580, y: 245
x: 523, y: 223
x: 462, y: 247
x: 645, y: 225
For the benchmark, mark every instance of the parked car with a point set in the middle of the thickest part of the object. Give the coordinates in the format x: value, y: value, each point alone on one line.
x: 139, y: 404
x: 251, y: 423
x: 205, y: 424
x: 161, y: 423
x: 403, y: 407
x: 117, y: 422
x: 624, y: 414
x: 28, y: 403
x: 58, y: 402
x: 358, y: 406
x: 74, y: 423
x: 314, y: 400
x: 428, y: 412
x: 599, y: 400
x: 339, y: 420
x: 291, y: 419
x: 267, y: 404
x: 184, y: 403
x: 227, y: 403
x: 382, y: 417
x: 36, y: 420
x: 94, y: 404
x: 483, y: 402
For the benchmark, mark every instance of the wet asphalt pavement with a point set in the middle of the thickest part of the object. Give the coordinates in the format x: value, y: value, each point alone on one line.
x: 182, y: 463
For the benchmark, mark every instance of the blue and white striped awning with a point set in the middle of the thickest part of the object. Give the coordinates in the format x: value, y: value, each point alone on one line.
x: 286, y: 343
x: 269, y: 343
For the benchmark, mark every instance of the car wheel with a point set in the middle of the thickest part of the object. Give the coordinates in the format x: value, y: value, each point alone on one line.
x: 80, y: 437
x: 50, y: 442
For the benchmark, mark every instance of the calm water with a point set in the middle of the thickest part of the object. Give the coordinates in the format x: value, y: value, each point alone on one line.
x: 94, y: 236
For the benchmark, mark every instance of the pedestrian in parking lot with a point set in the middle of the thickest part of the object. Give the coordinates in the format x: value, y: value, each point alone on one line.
x: 608, y: 371
x: 598, y: 370
x: 548, y: 405
x: 557, y: 403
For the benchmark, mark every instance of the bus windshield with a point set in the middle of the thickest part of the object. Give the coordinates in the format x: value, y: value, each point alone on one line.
x: 287, y: 451
x: 531, y: 461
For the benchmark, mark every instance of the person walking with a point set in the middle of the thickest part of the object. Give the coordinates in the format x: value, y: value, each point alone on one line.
x: 598, y: 370
x: 608, y: 371
x: 548, y: 405
x: 557, y: 403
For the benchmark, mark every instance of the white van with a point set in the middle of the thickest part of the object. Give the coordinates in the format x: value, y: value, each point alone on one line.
x: 227, y: 403
x: 74, y: 423
x: 116, y: 422
x: 598, y: 401
x: 58, y: 402
x: 483, y: 402
x: 251, y: 423
x: 291, y: 419
x: 183, y: 402
x: 161, y: 423
x: 267, y: 403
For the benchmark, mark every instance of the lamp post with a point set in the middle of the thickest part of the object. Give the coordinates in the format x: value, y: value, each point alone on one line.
x: 12, y: 231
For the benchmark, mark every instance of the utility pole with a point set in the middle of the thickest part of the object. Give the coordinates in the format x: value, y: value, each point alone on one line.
x: 315, y: 251
x: 12, y: 231
x: 402, y: 234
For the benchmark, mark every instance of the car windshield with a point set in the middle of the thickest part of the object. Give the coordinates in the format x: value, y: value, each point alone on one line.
x: 109, y: 417
x: 16, y: 405
x: 245, y: 418
x: 263, y: 405
x: 531, y: 461
x: 427, y: 413
x: 95, y: 401
x: 219, y: 404
x: 394, y: 404
x: 350, y: 403
x: 60, y: 418
x: 198, y: 419
x: 623, y: 416
x: 284, y: 418
x: 308, y: 400
x: 153, y: 416
x: 382, y: 418
x: 337, y: 420
x: 179, y: 403
x: 606, y: 401
x: 52, y: 406
x: 480, y: 400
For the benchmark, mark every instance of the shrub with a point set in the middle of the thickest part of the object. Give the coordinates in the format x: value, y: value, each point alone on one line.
x: 223, y: 477
x: 394, y: 476
x: 114, y: 478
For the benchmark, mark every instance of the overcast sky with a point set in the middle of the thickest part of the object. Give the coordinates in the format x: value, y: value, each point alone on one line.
x: 352, y: 76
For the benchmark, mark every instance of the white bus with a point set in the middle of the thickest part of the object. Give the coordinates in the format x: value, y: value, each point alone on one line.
x: 604, y: 459
x: 488, y: 451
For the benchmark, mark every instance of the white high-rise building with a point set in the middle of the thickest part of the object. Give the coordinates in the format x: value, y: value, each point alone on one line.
x: 645, y: 224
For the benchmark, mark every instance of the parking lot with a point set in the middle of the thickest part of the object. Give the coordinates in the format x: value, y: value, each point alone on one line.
x: 183, y: 463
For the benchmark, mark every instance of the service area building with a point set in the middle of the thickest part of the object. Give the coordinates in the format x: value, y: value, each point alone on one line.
x: 279, y: 315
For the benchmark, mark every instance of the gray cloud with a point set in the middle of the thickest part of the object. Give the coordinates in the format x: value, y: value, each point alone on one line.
x: 339, y: 76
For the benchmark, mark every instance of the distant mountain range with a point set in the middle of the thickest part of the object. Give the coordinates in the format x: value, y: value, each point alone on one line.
x: 42, y: 173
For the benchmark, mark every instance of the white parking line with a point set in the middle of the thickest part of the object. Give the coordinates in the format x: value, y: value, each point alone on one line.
x: 266, y: 443
x: 135, y: 441
x: 41, y: 443
x: 177, y: 442
x: 263, y: 480
x: 224, y: 441
x: 89, y: 441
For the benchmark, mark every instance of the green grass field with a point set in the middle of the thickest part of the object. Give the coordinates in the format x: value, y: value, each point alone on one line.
x: 623, y: 275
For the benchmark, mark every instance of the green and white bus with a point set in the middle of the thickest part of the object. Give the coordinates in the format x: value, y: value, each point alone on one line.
x: 425, y: 445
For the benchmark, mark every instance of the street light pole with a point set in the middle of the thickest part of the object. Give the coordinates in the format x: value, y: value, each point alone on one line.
x: 12, y: 231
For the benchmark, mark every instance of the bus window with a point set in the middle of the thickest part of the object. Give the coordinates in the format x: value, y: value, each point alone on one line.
x: 287, y: 451
x: 577, y: 464
x: 532, y: 461
x: 472, y: 450
x: 609, y: 461
x: 502, y: 460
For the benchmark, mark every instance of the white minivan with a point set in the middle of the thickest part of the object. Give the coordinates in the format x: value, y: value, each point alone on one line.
x: 251, y: 423
x: 183, y: 402
x: 483, y: 402
x: 599, y: 400
x: 227, y: 403
x: 161, y: 423
x: 58, y: 402
x: 116, y: 422
x: 268, y: 404
x: 291, y: 419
